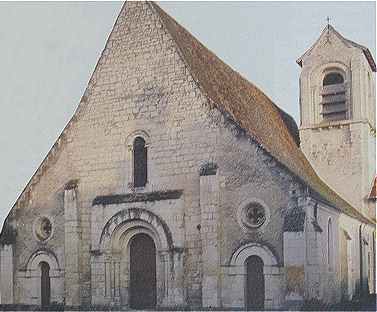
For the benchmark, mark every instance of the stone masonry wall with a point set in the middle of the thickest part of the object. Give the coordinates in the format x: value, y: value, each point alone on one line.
x: 249, y: 174
x: 141, y: 84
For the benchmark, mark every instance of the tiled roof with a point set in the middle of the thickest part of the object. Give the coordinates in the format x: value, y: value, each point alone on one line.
x: 251, y: 109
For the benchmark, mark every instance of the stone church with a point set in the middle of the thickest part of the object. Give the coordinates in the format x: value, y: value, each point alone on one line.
x: 179, y: 183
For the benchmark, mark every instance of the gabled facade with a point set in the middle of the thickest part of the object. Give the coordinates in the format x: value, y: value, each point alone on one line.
x: 178, y: 183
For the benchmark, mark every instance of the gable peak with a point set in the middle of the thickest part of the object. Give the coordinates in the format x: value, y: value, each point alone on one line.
x: 329, y: 31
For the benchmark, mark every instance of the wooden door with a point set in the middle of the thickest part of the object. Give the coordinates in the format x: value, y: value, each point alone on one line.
x: 254, y: 283
x: 142, y: 272
x: 45, y: 283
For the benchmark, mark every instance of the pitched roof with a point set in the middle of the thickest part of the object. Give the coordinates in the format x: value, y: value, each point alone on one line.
x: 348, y: 42
x: 250, y: 108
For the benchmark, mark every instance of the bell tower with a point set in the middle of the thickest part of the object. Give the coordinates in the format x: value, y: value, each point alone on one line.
x: 337, y: 112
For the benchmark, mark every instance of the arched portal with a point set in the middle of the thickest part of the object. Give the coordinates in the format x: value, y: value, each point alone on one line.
x: 254, y: 271
x: 254, y: 283
x: 142, y: 272
x: 119, y: 245
x: 45, y: 283
x: 47, y: 279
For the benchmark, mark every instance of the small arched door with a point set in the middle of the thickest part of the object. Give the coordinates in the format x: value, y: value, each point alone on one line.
x: 142, y: 272
x: 254, y: 283
x: 45, y: 283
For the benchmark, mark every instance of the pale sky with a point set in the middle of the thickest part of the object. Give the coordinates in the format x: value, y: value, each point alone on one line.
x: 49, y: 50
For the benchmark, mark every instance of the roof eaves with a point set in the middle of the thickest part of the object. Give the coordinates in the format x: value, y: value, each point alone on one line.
x: 365, y: 50
x: 370, y: 59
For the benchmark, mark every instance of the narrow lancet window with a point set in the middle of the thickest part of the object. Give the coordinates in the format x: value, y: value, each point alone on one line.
x: 140, y: 162
x: 330, y: 245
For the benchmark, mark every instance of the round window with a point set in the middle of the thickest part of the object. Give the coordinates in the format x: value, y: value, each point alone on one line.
x: 253, y: 215
x: 43, y: 228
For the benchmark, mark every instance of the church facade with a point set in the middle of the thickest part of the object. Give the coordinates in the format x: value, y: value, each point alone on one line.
x: 179, y: 183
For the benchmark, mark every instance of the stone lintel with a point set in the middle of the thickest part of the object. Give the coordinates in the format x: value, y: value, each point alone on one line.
x: 137, y: 197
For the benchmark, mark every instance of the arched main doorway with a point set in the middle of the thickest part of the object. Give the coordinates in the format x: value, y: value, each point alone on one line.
x: 142, y: 272
x: 45, y: 283
x: 254, y: 283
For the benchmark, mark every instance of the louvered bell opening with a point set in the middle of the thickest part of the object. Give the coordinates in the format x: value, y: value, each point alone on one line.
x: 335, y: 116
x: 333, y: 99
x: 334, y: 102
x: 333, y: 89
x: 332, y: 108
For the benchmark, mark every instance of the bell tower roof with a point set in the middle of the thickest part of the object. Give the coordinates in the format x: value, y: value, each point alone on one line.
x: 328, y: 31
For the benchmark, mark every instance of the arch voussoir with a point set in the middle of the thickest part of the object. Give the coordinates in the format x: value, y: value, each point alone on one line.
x: 132, y: 218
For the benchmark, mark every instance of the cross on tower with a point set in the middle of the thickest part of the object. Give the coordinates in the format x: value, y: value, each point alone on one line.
x: 328, y: 29
x: 328, y: 20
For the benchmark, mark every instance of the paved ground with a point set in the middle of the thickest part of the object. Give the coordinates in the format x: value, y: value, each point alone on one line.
x: 367, y: 304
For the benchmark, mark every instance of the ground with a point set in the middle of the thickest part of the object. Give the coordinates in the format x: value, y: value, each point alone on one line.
x: 367, y: 304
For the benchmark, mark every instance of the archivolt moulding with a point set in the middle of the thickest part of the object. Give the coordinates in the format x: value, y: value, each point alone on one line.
x: 43, y: 256
x: 253, y: 249
x: 130, y: 219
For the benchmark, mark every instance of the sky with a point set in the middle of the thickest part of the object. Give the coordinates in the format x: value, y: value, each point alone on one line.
x: 49, y: 50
